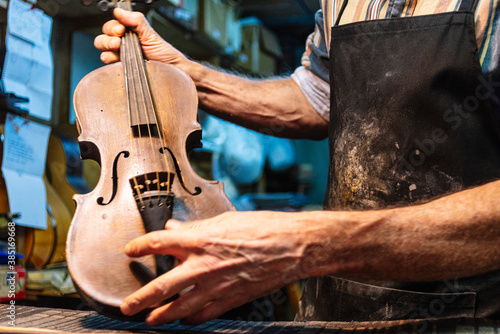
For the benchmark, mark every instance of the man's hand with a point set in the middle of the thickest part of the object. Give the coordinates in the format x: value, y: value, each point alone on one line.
x: 226, y: 261
x: 153, y: 46
x: 271, y: 106
x: 235, y: 257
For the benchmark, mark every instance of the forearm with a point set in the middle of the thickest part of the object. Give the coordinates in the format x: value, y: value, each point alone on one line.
x: 276, y: 107
x: 454, y: 236
x: 273, y: 106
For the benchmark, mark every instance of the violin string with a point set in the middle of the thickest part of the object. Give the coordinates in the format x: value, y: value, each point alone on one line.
x: 143, y: 85
x: 126, y: 63
x: 160, y: 132
x: 135, y: 52
x: 155, y: 114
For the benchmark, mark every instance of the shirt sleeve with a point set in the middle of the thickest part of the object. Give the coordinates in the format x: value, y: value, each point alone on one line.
x: 313, y: 76
x: 315, y: 89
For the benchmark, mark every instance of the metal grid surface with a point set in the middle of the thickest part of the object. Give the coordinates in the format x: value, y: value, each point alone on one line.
x: 43, y: 320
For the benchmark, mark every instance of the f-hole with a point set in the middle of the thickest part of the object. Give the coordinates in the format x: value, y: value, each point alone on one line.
x: 100, y: 200
x: 197, y: 190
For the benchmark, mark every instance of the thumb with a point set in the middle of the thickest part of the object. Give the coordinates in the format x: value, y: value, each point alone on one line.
x: 134, y: 20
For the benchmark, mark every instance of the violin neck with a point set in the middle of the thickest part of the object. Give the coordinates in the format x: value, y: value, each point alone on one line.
x: 140, y: 102
x: 124, y: 4
x: 130, y: 47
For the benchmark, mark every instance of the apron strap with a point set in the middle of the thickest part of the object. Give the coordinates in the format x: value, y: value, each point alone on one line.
x: 467, y: 6
x: 395, y: 8
x: 344, y: 5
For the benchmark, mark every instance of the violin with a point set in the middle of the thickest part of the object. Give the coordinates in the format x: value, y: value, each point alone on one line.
x: 137, y: 119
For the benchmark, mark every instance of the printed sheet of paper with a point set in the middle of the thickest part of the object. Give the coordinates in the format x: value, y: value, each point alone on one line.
x: 28, y: 67
x: 24, y: 152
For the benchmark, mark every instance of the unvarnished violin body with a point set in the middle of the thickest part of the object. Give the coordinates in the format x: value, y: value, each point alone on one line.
x: 145, y: 178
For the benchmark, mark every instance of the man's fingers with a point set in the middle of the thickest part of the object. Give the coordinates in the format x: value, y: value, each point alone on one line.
x: 168, y: 242
x: 213, y: 310
x: 158, y: 290
x: 110, y: 57
x: 173, y: 224
x: 107, y: 43
x: 189, y: 303
x: 113, y: 28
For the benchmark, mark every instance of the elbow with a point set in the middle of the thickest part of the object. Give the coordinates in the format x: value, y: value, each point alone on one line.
x: 317, y: 130
x: 319, y: 133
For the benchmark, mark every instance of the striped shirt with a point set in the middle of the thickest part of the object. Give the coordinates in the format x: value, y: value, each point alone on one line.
x: 313, y: 76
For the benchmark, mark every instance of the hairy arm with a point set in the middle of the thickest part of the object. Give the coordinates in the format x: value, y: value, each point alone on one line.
x: 454, y: 236
x: 273, y: 106
x: 229, y: 264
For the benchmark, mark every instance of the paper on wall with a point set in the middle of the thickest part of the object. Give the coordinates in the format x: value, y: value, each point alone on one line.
x: 28, y: 22
x: 24, y: 152
x: 28, y: 67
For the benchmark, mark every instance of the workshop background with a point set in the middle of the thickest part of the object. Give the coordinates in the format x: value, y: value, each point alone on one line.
x: 46, y: 48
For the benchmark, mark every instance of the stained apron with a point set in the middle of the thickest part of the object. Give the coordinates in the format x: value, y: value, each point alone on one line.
x: 410, y: 120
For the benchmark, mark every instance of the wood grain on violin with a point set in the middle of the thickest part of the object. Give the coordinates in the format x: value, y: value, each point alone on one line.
x: 138, y: 119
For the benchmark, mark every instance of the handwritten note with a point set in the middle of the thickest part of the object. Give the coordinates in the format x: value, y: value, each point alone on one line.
x: 27, y: 23
x: 25, y: 149
x: 28, y: 66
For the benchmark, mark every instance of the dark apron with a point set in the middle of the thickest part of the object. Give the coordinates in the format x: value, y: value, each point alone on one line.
x: 410, y: 121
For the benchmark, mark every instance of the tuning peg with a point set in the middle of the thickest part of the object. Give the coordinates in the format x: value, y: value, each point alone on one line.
x: 104, y: 5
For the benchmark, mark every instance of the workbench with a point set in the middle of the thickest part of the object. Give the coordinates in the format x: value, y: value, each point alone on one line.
x: 36, y: 320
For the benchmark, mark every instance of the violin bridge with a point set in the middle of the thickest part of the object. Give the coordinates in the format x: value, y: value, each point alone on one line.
x: 152, y: 188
